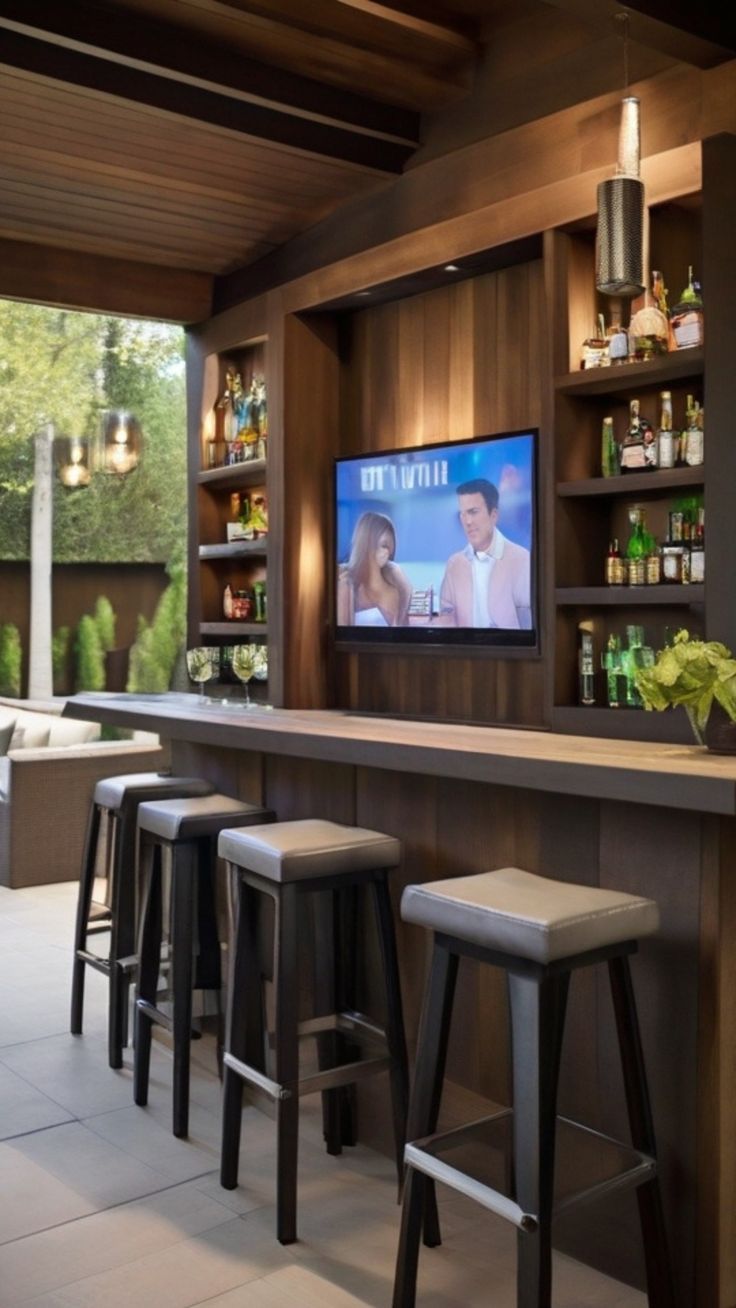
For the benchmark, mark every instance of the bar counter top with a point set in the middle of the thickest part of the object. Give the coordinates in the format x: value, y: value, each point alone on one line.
x: 684, y: 777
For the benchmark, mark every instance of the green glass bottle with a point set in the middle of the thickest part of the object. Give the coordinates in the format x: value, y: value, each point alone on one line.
x: 609, y: 450
x: 638, y: 547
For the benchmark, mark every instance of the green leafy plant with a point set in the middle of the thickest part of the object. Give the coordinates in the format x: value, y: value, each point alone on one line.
x: 693, y: 673
x: 10, y: 660
x: 90, y: 656
x: 104, y: 616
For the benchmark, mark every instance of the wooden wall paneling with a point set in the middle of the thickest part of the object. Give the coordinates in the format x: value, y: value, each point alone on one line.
x: 410, y: 381
x: 239, y: 773
x: 436, y: 365
x: 716, y: 1176
x: 461, y: 400
x: 650, y: 852
x: 310, y: 436
x: 719, y: 282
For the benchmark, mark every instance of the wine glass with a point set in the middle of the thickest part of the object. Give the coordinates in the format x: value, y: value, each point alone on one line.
x: 245, y: 663
x: 202, y: 664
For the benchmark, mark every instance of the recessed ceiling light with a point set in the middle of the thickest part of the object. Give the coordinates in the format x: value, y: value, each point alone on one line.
x: 357, y: 293
x: 452, y: 267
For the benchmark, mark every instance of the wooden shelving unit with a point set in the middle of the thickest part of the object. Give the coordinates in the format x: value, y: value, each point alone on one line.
x: 628, y: 596
x: 235, y: 630
x: 237, y: 475
x: 634, y: 483
x: 633, y: 377
x: 236, y: 549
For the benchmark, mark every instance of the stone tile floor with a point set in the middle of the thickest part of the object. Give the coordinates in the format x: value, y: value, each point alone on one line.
x: 101, y: 1205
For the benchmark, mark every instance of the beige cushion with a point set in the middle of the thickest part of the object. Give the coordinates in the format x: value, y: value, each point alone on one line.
x: 6, y: 733
x: 67, y: 731
x: 141, y: 786
x: 533, y: 917
x: 295, y: 851
x: 202, y: 815
x: 31, y: 729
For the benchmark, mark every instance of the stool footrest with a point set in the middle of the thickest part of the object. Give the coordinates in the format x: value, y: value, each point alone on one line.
x: 633, y: 1167
x: 256, y: 1078
x: 155, y: 1014
x: 347, y: 1023
x: 331, y: 1079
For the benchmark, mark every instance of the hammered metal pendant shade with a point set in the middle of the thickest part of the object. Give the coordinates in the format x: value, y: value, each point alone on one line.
x: 619, y: 247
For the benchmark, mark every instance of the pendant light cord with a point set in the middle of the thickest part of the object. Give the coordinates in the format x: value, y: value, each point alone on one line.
x: 623, y: 19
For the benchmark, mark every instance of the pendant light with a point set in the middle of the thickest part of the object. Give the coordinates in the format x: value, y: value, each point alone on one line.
x: 72, y: 454
x: 120, y: 442
x: 619, y: 248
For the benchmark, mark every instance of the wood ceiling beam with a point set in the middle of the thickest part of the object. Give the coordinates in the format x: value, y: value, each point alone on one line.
x: 150, y: 63
x: 74, y: 279
x: 703, y: 36
x: 409, y: 19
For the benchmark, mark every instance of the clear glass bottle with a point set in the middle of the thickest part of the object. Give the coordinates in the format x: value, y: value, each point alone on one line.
x: 615, y: 568
x: 649, y: 328
x: 697, y: 556
x: 694, y: 437
x: 612, y: 666
x: 586, y: 672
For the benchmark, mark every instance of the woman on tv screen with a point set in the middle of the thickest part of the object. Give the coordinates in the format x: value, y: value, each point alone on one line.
x: 372, y: 590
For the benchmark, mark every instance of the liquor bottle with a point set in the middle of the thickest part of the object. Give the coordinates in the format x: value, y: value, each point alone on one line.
x: 665, y: 435
x: 609, y: 450
x: 615, y: 569
x: 611, y: 663
x: 688, y: 317
x: 638, y: 449
x: 618, y: 340
x: 638, y: 547
x: 637, y: 655
x: 697, y: 555
x: 659, y: 292
x: 227, y: 601
x: 694, y: 436
x: 586, y: 673
x: 594, y: 350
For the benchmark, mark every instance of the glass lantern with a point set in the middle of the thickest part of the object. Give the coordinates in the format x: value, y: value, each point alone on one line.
x: 72, y: 454
x: 120, y: 443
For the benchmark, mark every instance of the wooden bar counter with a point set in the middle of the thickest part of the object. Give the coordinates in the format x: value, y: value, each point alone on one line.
x: 651, y: 819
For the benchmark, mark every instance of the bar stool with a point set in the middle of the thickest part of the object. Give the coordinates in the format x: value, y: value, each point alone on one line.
x: 186, y: 830
x: 286, y: 862
x: 119, y: 798
x: 539, y: 931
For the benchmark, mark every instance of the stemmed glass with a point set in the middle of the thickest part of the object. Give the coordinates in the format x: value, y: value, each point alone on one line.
x: 246, y: 663
x: 203, y: 663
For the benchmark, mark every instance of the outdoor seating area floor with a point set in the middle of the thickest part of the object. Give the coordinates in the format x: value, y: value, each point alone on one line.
x: 101, y: 1205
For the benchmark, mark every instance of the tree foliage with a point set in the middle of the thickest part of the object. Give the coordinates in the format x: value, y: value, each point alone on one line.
x: 63, y: 367
x: 60, y: 647
x: 104, y: 616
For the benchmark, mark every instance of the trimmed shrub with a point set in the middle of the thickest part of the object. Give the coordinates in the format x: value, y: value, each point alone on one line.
x: 10, y: 659
x: 104, y: 616
x: 153, y: 656
x: 60, y: 648
x: 90, y: 656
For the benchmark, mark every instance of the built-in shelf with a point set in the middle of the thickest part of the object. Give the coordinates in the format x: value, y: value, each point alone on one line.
x: 235, y: 549
x: 628, y: 596
x: 623, y: 724
x: 633, y: 483
x: 611, y: 381
x: 250, y: 473
x: 234, y: 629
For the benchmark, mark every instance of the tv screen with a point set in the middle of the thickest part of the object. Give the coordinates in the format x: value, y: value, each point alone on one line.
x: 437, y: 544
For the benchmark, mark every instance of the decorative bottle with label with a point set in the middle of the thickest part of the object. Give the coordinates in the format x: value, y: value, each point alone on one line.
x: 687, y: 316
x: 586, y: 671
x: 693, y: 438
x: 639, y: 448
x: 637, y: 548
x: 665, y: 434
x: 609, y: 450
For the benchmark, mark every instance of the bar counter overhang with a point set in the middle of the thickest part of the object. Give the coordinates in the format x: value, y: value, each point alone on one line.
x: 647, y: 818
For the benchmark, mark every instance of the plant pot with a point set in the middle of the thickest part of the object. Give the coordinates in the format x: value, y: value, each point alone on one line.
x: 720, y: 732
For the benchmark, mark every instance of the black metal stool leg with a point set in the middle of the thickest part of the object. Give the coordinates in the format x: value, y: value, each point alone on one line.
x: 122, y: 933
x: 537, y: 1023
x: 419, y: 1204
x: 244, y: 1022
x: 183, y: 896
x: 326, y: 946
x: 395, y: 1036
x: 84, y: 901
x: 149, y: 958
x: 287, y: 1062
x: 660, y: 1284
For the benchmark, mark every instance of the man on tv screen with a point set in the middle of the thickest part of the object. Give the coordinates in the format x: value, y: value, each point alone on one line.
x: 488, y: 583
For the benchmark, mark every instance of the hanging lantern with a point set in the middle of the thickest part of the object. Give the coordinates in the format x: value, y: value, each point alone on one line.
x: 120, y: 443
x: 72, y: 454
x: 619, y: 247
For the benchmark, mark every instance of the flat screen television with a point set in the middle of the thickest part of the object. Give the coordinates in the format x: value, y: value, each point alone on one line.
x: 437, y: 544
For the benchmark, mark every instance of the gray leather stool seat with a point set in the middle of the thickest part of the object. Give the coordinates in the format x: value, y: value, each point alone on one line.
x: 539, y: 931
x: 285, y: 862
x: 118, y: 797
x: 186, y: 829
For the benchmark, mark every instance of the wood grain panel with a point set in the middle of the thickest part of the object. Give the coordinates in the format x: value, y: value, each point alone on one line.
x: 454, y: 362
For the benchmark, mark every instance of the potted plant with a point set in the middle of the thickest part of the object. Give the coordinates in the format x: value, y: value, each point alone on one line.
x: 697, y: 674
